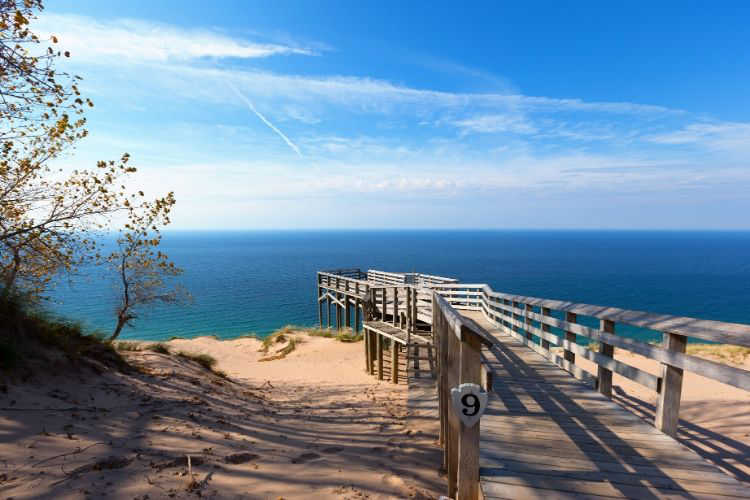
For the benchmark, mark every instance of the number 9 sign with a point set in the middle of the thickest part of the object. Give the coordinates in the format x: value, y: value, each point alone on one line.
x: 469, y: 402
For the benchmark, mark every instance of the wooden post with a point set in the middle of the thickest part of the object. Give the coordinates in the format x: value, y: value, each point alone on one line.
x: 545, y: 327
x: 394, y: 361
x: 368, y: 353
x: 338, y: 311
x: 570, y: 356
x: 668, y: 406
x: 357, y: 306
x: 395, y: 306
x: 373, y: 351
x: 329, y: 307
x: 383, y: 303
x: 347, y: 312
x: 408, y: 309
x: 380, y: 356
x: 414, y: 311
x: 527, y: 309
x: 468, y: 437
x: 604, y: 375
x: 320, y: 306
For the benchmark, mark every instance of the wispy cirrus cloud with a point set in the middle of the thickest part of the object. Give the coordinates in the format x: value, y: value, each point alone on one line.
x: 494, y: 123
x: 128, y: 40
x: 727, y: 136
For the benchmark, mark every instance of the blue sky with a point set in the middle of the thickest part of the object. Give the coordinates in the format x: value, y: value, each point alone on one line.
x: 405, y: 114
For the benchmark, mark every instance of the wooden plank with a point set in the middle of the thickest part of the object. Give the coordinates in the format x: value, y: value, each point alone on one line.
x: 668, y: 405
x: 495, y: 480
x: 570, y: 451
x: 357, y: 319
x: 395, y: 306
x: 730, y: 375
x: 546, y: 462
x: 661, y: 480
x: 394, y: 362
x: 604, y: 374
x: 569, y: 356
x: 715, y: 331
x: 380, y: 356
x: 491, y: 491
x: 635, y: 374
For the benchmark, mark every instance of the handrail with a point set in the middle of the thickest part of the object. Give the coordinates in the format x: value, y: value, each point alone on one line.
x: 531, y: 321
x: 458, y: 342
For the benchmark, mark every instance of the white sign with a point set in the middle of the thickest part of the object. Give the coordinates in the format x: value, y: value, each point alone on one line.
x: 469, y: 401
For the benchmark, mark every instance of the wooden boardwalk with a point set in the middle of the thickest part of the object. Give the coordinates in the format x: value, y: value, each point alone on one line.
x: 547, y: 435
x: 551, y: 429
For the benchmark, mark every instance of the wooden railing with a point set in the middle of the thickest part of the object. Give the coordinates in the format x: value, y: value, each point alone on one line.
x: 416, y: 279
x: 458, y: 342
x: 544, y: 325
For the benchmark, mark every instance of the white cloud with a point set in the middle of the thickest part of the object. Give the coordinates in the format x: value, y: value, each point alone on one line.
x: 724, y: 136
x: 496, y: 123
x: 127, y: 40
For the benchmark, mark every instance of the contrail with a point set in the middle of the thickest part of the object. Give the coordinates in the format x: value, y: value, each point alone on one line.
x: 264, y: 120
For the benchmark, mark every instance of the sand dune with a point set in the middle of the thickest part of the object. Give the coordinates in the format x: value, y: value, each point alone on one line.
x: 312, y: 425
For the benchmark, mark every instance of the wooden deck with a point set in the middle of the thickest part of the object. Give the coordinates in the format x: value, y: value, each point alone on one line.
x: 547, y: 435
x: 551, y: 429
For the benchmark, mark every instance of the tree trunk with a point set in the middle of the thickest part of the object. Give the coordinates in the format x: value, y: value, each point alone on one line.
x: 10, y: 279
x: 121, y: 321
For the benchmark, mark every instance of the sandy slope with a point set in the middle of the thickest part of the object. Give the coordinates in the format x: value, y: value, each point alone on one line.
x: 313, y: 425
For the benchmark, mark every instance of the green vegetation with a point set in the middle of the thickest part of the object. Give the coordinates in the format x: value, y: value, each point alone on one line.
x: 290, y: 334
x: 205, y: 360
x: 160, y: 348
x: 51, y: 219
x: 30, y: 337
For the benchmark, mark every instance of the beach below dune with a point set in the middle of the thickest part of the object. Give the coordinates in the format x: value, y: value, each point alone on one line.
x: 310, y: 425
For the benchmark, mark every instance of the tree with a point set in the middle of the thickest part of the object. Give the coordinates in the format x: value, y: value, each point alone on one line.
x: 34, y: 98
x: 46, y: 215
x: 144, y: 272
x: 52, y: 222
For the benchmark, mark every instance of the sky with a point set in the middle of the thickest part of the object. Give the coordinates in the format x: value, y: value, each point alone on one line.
x: 323, y: 114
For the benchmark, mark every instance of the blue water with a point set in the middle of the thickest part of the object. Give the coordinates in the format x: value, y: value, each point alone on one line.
x: 258, y: 281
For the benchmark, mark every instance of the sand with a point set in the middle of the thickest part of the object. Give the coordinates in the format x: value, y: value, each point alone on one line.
x: 312, y: 425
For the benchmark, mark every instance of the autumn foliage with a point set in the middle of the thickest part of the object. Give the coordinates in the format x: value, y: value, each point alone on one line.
x: 50, y: 219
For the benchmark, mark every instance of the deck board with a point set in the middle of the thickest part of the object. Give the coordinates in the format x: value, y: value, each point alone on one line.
x: 547, y: 435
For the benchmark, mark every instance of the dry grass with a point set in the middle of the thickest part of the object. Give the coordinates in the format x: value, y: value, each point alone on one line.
x: 290, y: 335
x: 284, y: 351
x: 733, y: 354
x: 128, y: 346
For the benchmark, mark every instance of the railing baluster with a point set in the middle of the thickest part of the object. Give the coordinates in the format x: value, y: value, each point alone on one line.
x: 569, y: 355
x: 395, y: 306
x: 604, y: 375
x: 668, y: 405
x: 544, y: 311
x: 526, y: 320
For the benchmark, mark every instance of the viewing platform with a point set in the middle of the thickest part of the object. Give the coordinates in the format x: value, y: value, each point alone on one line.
x: 550, y: 428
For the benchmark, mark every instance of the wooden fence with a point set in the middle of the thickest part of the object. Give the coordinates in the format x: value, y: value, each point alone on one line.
x: 544, y: 325
x: 458, y: 342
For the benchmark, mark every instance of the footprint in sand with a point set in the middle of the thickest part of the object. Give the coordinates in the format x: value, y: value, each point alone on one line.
x: 332, y: 449
x: 305, y: 457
